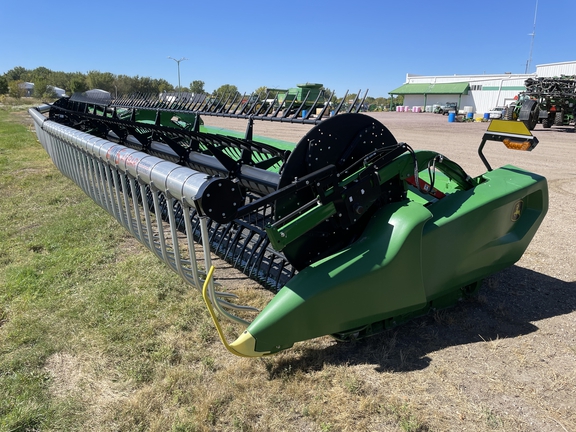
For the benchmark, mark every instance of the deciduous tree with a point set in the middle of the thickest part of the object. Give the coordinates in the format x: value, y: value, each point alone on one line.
x: 197, y: 87
x: 16, y: 74
x: 100, y: 80
x: 3, y: 85
x: 228, y: 91
x: 78, y: 84
x: 15, y: 90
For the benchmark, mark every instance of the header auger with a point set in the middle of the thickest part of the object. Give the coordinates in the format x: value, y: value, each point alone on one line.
x: 355, y: 231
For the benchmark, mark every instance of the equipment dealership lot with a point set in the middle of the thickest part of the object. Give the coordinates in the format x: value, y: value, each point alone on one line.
x: 512, y: 352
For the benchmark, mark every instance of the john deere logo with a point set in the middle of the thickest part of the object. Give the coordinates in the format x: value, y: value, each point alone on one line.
x: 517, y: 210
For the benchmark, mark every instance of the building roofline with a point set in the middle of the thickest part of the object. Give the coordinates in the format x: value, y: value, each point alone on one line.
x: 477, y: 76
x: 557, y: 63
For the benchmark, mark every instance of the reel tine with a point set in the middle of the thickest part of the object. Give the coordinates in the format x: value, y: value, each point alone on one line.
x: 277, y: 100
x: 326, y: 105
x: 351, y: 107
x: 253, y: 102
x: 234, y: 109
x: 361, y: 104
x: 341, y: 103
x: 225, y: 104
x: 205, y: 103
x: 289, y: 108
x: 284, y: 105
x: 270, y: 106
x: 301, y: 106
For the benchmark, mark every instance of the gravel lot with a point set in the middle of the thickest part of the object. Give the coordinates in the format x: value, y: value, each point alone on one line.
x: 510, y: 356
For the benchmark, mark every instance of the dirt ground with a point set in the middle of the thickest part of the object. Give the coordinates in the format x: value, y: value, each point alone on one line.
x: 509, y: 357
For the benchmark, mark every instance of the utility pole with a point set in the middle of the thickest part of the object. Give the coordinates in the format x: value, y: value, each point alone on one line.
x: 178, y: 61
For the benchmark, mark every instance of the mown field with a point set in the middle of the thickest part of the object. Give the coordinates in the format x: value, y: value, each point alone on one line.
x: 97, y: 334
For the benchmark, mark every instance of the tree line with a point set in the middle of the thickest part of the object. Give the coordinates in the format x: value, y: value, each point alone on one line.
x: 45, y: 80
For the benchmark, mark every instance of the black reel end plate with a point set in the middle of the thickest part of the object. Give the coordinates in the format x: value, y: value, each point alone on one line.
x: 341, y: 141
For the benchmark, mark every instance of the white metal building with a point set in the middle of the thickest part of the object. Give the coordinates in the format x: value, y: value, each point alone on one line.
x: 27, y: 88
x: 473, y: 93
x: 59, y: 92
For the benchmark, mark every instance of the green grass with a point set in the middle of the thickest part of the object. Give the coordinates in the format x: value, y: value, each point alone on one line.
x: 68, y: 287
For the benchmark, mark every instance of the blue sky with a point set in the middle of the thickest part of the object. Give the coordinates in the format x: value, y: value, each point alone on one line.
x: 352, y: 44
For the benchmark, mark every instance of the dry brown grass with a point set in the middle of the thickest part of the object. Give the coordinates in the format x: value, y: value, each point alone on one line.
x: 411, y: 379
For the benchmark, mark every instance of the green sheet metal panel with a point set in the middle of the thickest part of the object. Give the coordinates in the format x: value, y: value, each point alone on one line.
x: 427, y: 88
x: 503, y: 88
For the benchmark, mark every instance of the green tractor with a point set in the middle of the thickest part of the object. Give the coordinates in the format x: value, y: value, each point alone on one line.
x: 525, y: 109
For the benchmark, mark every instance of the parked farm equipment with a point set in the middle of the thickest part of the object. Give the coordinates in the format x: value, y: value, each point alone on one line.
x: 447, y: 108
x: 301, y: 97
x: 550, y: 101
x: 355, y: 231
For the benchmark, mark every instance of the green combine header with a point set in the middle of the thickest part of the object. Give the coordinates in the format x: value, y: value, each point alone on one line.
x: 354, y: 231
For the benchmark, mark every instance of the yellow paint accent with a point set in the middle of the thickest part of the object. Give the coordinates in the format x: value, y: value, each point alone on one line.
x: 245, y: 345
x: 510, y: 127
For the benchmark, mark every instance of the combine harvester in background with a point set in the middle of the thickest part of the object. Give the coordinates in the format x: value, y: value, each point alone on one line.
x: 354, y: 231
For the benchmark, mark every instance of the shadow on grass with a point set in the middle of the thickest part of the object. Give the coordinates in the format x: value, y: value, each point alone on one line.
x: 505, y: 307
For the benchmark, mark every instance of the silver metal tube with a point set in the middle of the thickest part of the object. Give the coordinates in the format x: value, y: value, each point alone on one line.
x: 144, y: 193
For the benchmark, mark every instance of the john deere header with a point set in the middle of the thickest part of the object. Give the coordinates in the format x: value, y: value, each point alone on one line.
x: 355, y: 231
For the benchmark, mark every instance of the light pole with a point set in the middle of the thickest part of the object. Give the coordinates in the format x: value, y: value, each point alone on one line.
x: 528, y: 63
x: 178, y: 61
